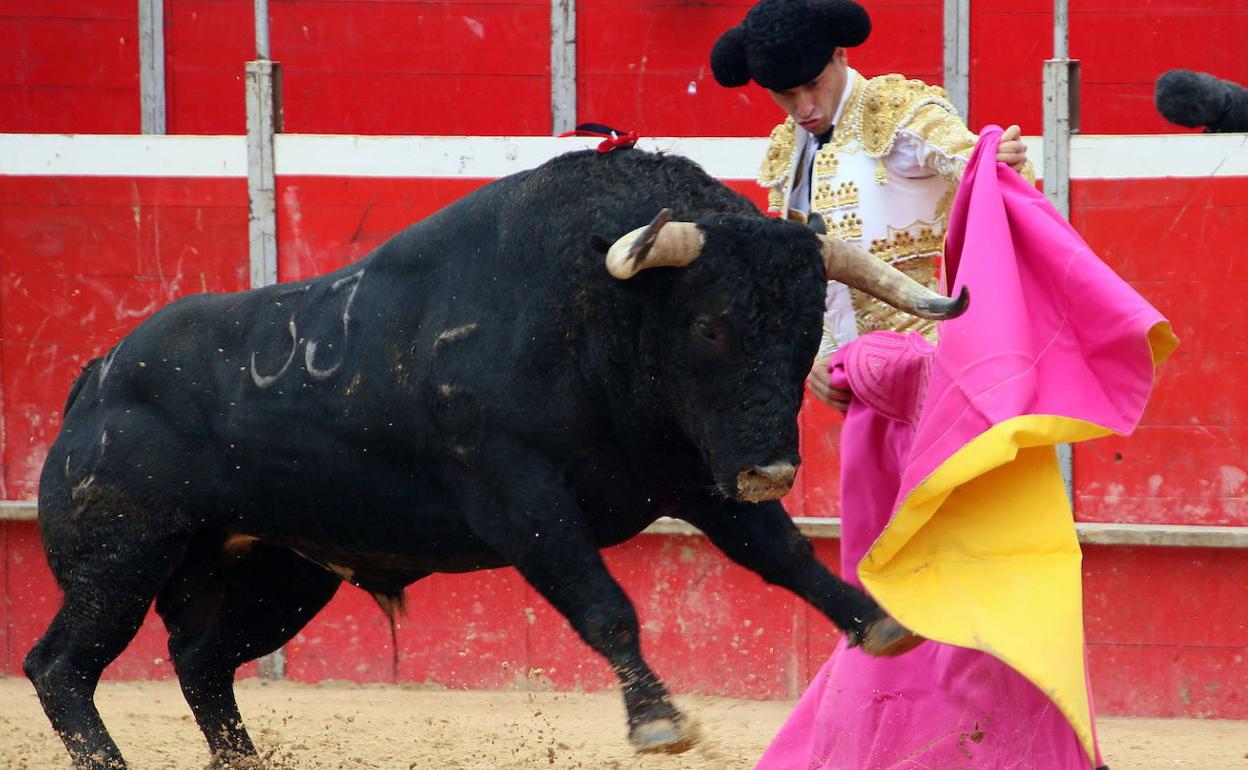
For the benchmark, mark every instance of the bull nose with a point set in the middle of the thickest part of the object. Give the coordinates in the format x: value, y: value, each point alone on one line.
x: 777, y: 473
x: 766, y: 482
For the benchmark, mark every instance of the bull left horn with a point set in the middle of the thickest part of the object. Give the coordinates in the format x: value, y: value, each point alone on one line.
x: 855, y: 266
x: 662, y: 243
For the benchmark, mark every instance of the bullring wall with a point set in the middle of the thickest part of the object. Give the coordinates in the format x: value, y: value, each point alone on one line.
x: 95, y: 234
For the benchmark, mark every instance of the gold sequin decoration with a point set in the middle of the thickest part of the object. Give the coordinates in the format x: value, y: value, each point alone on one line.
x: 943, y: 129
x: 848, y: 128
x: 848, y: 227
x: 945, y: 205
x: 826, y: 162
x: 823, y: 198
x: 779, y: 159
x: 905, y: 246
x: 1028, y: 172
x: 872, y: 315
x: 775, y: 198
x: 890, y: 102
x: 844, y: 195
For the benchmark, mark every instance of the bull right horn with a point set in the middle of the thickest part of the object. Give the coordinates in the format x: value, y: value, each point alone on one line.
x: 662, y: 243
x: 855, y: 266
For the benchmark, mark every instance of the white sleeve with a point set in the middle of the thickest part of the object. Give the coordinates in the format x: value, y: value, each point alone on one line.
x: 911, y: 157
x: 940, y: 140
x: 840, y: 327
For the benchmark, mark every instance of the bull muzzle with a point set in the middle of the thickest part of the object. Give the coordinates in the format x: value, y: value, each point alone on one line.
x: 766, y: 482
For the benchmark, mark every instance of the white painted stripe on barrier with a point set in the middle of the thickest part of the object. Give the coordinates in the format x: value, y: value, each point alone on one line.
x: 18, y: 510
x: 485, y: 157
x: 128, y: 155
x: 488, y: 157
x: 1161, y: 155
x: 476, y: 157
x: 1172, y: 535
x: 439, y: 157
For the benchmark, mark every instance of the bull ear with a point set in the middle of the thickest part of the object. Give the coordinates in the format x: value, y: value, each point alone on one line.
x: 658, y: 244
x: 855, y: 266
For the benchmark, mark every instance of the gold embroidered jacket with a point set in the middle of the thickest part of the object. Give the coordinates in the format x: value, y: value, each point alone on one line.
x: 885, y: 179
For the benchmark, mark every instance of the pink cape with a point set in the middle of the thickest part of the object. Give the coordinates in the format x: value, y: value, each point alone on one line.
x: 1054, y: 348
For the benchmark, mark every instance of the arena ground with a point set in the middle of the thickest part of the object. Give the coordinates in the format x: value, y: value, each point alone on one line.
x: 342, y: 726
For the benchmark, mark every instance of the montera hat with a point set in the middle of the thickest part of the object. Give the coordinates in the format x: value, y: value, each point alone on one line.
x: 783, y: 44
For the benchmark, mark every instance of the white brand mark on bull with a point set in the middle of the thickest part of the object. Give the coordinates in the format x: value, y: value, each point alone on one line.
x: 311, y: 346
x: 108, y: 363
x: 264, y: 381
x: 453, y: 335
x: 310, y: 352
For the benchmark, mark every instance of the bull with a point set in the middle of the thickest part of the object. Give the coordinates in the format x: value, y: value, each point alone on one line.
x: 522, y: 378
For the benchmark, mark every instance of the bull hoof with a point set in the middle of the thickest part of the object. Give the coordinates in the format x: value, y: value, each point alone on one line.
x: 664, y: 736
x: 886, y: 638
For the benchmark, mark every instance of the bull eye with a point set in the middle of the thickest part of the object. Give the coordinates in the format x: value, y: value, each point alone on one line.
x: 704, y: 328
x: 712, y: 335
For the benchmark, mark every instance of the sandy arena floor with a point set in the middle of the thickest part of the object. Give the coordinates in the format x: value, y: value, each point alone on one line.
x: 336, y: 726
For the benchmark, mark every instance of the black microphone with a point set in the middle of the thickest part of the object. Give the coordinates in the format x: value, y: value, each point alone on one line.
x: 1196, y: 99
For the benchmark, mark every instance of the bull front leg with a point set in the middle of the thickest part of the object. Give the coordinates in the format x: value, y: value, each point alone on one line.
x: 763, y: 538
x: 536, y: 525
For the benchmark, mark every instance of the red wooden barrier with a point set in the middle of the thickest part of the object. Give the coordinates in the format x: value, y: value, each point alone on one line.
x: 83, y: 259
x: 1175, y: 649
x: 482, y: 66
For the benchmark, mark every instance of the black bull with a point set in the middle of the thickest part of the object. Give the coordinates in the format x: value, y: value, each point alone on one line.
x: 476, y: 392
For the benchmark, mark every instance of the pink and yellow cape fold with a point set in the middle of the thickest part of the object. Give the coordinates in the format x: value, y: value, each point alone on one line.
x: 981, y: 550
x: 954, y: 513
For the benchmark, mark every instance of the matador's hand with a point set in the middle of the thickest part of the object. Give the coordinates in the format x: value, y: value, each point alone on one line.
x: 1012, y: 151
x: 817, y: 380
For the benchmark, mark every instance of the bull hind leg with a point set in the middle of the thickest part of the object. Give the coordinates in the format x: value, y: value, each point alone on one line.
x: 228, y: 604
x: 108, y: 587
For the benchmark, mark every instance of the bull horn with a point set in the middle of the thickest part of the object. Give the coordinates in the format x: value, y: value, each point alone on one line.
x: 658, y: 244
x: 855, y: 266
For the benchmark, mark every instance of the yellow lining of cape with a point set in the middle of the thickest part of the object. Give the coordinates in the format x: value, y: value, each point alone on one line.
x: 983, y: 554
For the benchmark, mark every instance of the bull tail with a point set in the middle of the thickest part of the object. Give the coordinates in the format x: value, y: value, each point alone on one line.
x: 392, y: 604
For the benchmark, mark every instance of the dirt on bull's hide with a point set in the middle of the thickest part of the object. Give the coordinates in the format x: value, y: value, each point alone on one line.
x: 337, y: 726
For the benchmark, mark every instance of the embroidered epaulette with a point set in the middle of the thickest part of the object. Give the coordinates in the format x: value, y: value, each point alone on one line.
x: 889, y: 103
x: 779, y: 159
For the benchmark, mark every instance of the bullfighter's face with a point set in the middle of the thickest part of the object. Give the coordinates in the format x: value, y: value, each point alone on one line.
x: 813, y: 105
